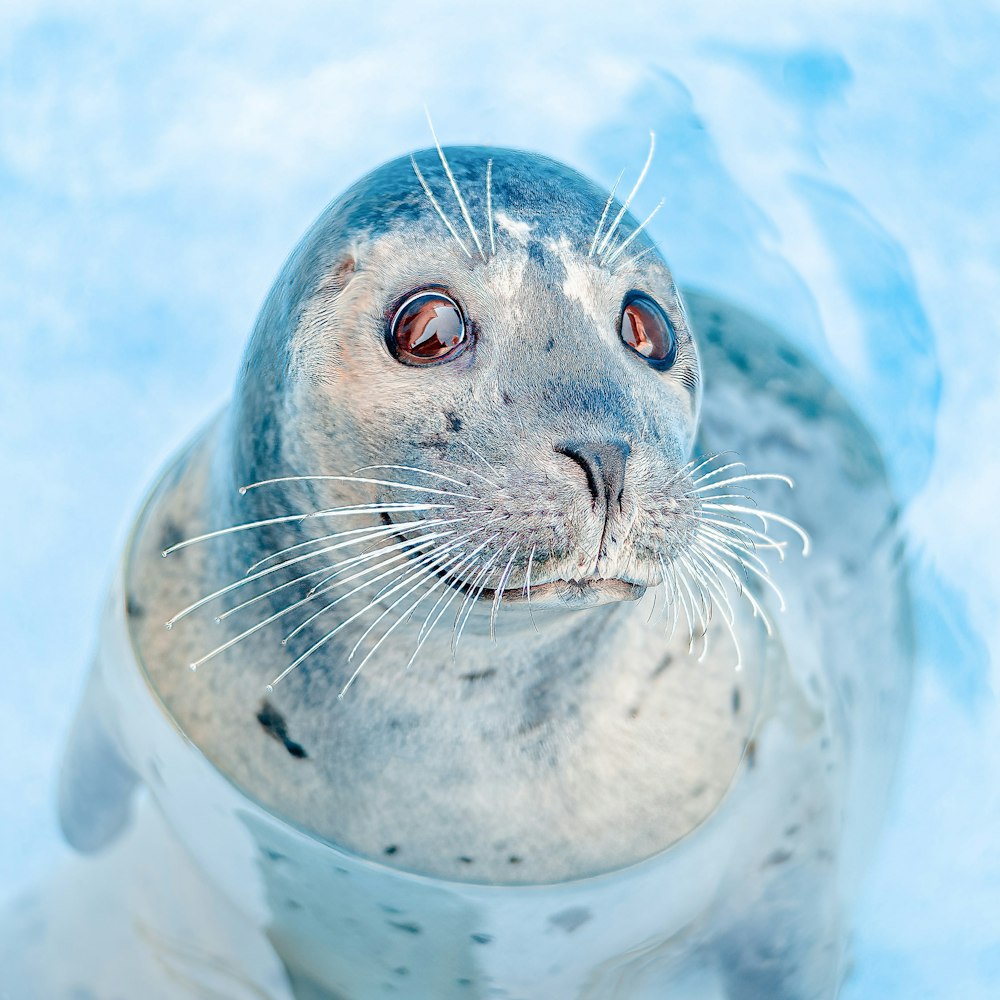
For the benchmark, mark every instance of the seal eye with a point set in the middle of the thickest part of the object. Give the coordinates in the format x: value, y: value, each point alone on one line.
x: 426, y: 328
x: 647, y: 330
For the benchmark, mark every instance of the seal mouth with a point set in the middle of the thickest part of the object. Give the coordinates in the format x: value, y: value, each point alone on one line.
x: 581, y: 592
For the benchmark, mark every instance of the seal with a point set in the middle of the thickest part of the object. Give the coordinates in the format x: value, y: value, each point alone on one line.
x: 469, y: 582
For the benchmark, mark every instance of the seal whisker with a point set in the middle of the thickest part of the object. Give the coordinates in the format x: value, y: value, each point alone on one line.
x: 430, y: 556
x: 480, y: 456
x: 498, y: 595
x: 695, y: 465
x: 741, y: 550
x: 331, y: 633
x: 748, y: 564
x: 452, y: 574
x: 699, y: 622
x: 480, y: 573
x: 437, y: 207
x: 713, y: 580
x: 473, y: 596
x: 419, y: 565
x: 463, y: 208
x: 628, y: 201
x: 354, y: 479
x: 425, y: 632
x: 712, y: 473
x: 397, y: 563
x: 339, y: 566
x: 399, y: 620
x: 632, y: 261
x: 244, y: 580
x: 703, y: 605
x: 611, y: 257
x: 670, y: 598
x: 748, y: 477
x: 745, y: 592
x: 414, y: 468
x: 472, y: 472
x: 527, y: 590
x: 765, y: 516
x: 604, y: 215
x: 346, y: 511
x: 274, y: 617
x: 489, y: 204
x: 371, y: 531
x: 736, y: 527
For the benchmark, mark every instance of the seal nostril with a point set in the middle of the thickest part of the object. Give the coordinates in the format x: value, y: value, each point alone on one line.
x: 604, y: 464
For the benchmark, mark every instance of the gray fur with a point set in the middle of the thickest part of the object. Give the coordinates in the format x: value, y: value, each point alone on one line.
x: 583, y: 739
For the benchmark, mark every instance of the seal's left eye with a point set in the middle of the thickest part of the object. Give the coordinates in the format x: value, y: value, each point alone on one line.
x: 646, y: 328
x: 428, y: 327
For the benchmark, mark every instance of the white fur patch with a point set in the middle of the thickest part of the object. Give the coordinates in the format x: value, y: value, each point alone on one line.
x: 583, y: 286
x: 516, y: 228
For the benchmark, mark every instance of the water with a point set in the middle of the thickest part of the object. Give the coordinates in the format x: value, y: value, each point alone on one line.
x: 831, y: 170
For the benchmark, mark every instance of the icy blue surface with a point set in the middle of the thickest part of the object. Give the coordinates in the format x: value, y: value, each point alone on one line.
x: 835, y: 170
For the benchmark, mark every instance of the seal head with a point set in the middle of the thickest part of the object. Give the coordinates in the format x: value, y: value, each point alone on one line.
x: 548, y: 431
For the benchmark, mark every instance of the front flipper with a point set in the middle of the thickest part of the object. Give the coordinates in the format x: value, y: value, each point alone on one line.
x: 96, y: 785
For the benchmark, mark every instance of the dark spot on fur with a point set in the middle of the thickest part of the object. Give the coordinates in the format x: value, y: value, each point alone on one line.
x: 514, y: 860
x: 465, y: 859
x: 778, y: 857
x: 464, y: 982
x: 133, y: 608
x: 273, y: 855
x: 790, y: 831
x: 480, y: 675
x: 292, y: 904
x: 506, y: 397
x: 481, y: 938
x: 172, y: 535
x: 401, y: 970
x: 750, y: 753
x: 536, y: 253
x: 386, y: 908
x: 550, y: 344
x: 406, y: 926
x: 662, y: 665
x: 698, y: 789
x: 633, y: 713
x: 391, y: 849
x: 736, y: 700
x: 437, y: 443
x: 570, y: 919
x: 454, y: 421
x: 789, y: 358
x: 274, y: 724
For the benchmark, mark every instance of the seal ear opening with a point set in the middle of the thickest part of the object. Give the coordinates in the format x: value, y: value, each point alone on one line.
x: 95, y: 783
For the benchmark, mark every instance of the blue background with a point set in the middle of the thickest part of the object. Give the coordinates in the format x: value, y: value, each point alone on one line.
x: 833, y: 169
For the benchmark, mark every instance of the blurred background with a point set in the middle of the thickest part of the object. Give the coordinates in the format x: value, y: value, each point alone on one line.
x: 833, y: 169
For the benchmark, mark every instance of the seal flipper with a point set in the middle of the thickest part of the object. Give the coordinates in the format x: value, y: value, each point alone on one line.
x: 95, y: 783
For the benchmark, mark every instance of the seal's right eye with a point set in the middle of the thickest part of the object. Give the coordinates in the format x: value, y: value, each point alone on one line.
x: 427, y: 328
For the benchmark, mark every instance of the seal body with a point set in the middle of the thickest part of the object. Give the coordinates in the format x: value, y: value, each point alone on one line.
x: 489, y: 638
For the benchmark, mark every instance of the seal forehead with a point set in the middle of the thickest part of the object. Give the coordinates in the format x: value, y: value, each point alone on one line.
x: 532, y: 197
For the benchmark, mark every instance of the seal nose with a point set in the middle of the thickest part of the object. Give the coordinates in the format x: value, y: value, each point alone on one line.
x: 604, y: 464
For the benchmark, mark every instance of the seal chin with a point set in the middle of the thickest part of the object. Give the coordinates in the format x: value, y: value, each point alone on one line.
x: 574, y: 594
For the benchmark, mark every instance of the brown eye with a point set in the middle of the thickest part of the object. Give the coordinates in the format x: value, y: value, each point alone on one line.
x: 428, y: 327
x: 648, y: 331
